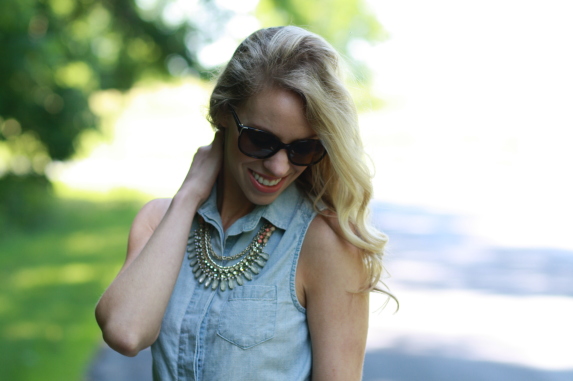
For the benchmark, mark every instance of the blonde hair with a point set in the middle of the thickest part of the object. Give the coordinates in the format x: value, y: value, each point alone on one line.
x: 295, y: 59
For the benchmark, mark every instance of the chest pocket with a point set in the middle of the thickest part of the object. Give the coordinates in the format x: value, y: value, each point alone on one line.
x: 249, y: 316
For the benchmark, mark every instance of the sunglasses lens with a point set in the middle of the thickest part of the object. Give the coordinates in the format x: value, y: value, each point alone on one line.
x: 306, y: 152
x: 261, y: 145
x: 256, y: 143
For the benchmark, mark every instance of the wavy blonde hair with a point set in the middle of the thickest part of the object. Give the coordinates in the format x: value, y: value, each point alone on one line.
x: 295, y: 59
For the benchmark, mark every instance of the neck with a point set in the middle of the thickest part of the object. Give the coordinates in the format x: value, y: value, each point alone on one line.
x: 231, y: 204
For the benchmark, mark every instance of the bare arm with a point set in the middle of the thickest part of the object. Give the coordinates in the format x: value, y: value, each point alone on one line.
x: 131, y: 310
x: 330, y: 274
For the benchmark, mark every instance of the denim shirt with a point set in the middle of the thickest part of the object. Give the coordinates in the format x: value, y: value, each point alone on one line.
x: 257, y: 331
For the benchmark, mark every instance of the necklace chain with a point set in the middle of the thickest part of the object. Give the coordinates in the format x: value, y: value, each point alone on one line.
x: 210, y: 273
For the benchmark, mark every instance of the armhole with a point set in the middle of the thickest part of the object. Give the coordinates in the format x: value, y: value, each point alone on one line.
x: 307, y: 220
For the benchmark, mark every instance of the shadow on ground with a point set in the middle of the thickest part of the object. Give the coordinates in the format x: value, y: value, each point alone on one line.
x: 437, y: 251
x: 389, y: 365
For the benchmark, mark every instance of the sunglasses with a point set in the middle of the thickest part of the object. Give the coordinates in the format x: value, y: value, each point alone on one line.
x: 261, y: 144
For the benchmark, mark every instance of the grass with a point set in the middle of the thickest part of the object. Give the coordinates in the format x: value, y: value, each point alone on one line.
x: 50, y: 281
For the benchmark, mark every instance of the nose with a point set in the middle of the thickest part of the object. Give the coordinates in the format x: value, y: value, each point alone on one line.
x: 278, y: 164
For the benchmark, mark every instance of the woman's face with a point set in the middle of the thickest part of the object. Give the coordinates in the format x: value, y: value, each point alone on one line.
x: 261, y: 181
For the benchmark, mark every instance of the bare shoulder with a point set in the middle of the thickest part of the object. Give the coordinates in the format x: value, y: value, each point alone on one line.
x: 144, y: 224
x: 328, y: 260
x: 151, y: 213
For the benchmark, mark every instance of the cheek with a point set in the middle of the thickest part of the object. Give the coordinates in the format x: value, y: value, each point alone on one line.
x: 234, y: 158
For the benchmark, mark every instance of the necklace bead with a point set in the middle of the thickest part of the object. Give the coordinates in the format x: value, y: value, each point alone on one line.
x: 210, y: 273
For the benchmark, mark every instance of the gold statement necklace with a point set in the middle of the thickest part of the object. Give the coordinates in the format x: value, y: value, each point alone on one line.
x: 210, y: 273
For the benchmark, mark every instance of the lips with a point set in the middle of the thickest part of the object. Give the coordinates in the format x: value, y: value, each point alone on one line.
x: 264, y: 184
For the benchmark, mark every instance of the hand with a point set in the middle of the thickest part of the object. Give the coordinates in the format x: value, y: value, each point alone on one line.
x: 205, y: 168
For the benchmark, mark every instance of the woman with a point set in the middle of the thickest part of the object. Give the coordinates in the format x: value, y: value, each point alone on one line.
x: 259, y: 267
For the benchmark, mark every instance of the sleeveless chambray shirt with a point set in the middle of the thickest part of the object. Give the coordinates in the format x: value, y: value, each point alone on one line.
x: 257, y: 331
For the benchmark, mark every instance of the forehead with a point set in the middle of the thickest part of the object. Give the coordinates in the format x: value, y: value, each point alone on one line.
x: 278, y: 111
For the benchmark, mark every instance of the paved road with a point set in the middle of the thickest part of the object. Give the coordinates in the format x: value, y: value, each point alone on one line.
x: 470, y: 311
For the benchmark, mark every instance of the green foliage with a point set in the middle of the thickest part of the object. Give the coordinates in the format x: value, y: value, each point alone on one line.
x: 56, y: 52
x: 26, y: 201
x: 340, y: 22
x: 50, y: 281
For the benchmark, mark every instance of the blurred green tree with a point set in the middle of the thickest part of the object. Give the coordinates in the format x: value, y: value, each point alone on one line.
x: 56, y: 52
x: 347, y: 24
x: 341, y: 22
x: 53, y: 55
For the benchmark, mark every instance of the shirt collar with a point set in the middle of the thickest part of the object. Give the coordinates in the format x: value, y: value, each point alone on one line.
x: 279, y: 212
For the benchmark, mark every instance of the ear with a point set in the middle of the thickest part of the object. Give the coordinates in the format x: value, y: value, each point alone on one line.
x: 224, y: 121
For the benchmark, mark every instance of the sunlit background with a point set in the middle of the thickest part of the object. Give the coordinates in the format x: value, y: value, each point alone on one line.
x: 469, y: 128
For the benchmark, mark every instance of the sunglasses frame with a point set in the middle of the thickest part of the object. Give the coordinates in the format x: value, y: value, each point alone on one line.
x: 241, y: 127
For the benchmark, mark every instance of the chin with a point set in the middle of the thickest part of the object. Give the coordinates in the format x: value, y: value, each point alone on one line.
x: 262, y: 200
